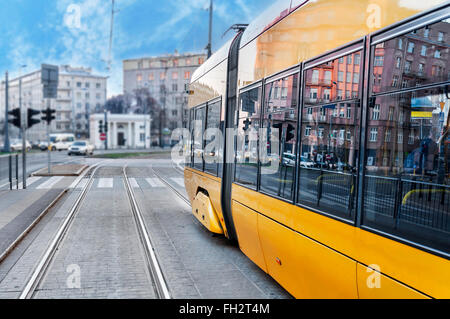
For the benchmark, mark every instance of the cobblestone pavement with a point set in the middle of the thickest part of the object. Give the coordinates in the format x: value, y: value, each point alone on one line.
x: 101, y: 255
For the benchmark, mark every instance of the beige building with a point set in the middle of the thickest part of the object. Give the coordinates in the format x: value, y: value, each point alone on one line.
x: 80, y: 93
x: 163, y: 78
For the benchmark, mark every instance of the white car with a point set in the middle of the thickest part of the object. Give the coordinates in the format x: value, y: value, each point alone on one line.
x: 81, y: 148
x: 16, y: 145
x: 61, y: 142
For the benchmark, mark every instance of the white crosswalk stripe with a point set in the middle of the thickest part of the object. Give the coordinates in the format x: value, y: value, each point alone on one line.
x: 154, y: 182
x: 106, y: 183
x: 179, y: 181
x: 30, y: 181
x: 50, y: 183
x: 133, y: 183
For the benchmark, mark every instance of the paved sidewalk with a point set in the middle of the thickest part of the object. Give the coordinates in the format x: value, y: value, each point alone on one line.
x: 19, y: 209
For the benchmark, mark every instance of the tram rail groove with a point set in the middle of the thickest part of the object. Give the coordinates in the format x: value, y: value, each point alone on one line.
x: 41, y: 268
x: 161, y: 287
x: 172, y: 188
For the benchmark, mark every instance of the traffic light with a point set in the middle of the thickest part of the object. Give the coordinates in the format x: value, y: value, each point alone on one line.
x: 16, y: 121
x: 48, y: 115
x: 290, y: 133
x: 100, y: 127
x: 30, y: 120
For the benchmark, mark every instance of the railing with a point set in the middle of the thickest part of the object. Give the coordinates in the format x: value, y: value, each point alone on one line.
x: 328, y: 189
x: 9, y: 171
x: 416, y: 202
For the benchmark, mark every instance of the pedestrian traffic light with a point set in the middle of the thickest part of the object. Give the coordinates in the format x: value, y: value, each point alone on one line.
x: 100, y: 127
x: 16, y: 121
x: 30, y: 120
x: 48, y: 115
x: 290, y: 133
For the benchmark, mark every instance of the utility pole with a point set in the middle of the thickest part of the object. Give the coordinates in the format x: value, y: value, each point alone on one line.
x: 7, y: 147
x: 24, y: 144
x: 111, y: 36
x: 209, y: 46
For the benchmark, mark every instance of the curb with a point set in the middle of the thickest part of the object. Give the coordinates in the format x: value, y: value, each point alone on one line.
x: 77, y: 173
x: 22, y: 236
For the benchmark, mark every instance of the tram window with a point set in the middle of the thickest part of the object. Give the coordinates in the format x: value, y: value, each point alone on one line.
x: 407, y: 191
x: 247, y: 138
x: 404, y: 67
x: 213, y: 126
x: 199, y: 127
x: 330, y: 142
x: 279, y: 140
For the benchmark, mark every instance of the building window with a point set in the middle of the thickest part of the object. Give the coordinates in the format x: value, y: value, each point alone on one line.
x: 398, y: 63
x: 400, y: 137
x: 98, y: 85
x: 349, y: 77
x: 376, y: 113
x: 341, y: 76
x: 408, y: 66
x: 355, y: 78
x: 426, y: 33
x: 373, y: 134
x: 174, y: 87
x: 308, y: 131
x: 379, y: 60
x: 387, y: 136
x: 174, y: 75
x: 139, y: 77
x: 187, y: 75
x: 423, y: 51
x: 394, y: 81
x: 410, y: 47
x: 441, y: 37
x: 151, y: 77
x: 79, y: 84
x: 349, y: 60
x: 400, y: 44
x: 437, y: 54
x: 357, y: 59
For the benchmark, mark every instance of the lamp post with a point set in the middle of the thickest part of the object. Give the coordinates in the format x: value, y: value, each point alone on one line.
x: 7, y: 146
x: 23, y: 130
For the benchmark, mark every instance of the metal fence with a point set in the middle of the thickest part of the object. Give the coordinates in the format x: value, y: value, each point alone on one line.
x: 330, y: 190
x: 402, y: 200
x: 10, y: 171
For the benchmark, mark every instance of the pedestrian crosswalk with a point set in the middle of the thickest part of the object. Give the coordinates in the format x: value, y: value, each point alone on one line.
x: 44, y: 183
x: 49, y: 184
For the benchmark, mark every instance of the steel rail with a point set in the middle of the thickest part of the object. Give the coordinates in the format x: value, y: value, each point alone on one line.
x: 162, y: 289
x: 187, y: 201
x: 42, y: 267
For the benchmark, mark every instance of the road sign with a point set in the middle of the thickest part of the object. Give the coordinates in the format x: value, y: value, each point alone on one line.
x: 103, y: 137
x: 49, y: 79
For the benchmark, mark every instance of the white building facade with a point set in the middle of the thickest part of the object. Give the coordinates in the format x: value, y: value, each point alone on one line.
x: 125, y: 131
x: 80, y: 93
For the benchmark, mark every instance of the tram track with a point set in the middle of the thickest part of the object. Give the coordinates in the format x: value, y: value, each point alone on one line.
x: 42, y: 267
x: 172, y: 188
x: 161, y: 287
x: 159, y: 284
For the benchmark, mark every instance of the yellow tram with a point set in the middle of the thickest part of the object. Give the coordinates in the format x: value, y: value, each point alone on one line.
x: 331, y: 171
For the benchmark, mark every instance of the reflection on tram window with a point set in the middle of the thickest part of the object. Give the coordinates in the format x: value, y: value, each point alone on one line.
x: 280, y: 116
x: 199, y: 127
x: 247, y: 138
x: 413, y: 59
x: 212, y: 124
x: 407, y: 190
x: 330, y: 137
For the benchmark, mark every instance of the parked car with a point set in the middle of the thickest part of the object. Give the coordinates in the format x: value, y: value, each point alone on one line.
x: 61, y: 142
x: 81, y: 148
x: 289, y: 159
x: 43, y: 146
x: 16, y: 145
x: 306, y: 162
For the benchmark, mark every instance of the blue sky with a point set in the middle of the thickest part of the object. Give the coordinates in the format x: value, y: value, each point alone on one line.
x: 49, y: 31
